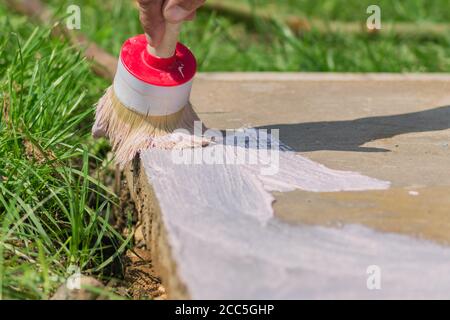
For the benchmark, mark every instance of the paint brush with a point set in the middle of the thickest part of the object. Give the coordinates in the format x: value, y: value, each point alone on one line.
x: 149, y: 98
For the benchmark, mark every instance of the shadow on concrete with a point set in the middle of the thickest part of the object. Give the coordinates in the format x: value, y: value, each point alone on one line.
x: 352, y: 134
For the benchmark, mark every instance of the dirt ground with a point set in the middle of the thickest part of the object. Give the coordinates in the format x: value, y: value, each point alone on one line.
x: 140, y: 279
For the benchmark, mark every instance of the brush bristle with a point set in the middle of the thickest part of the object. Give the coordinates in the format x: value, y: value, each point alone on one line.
x: 130, y: 132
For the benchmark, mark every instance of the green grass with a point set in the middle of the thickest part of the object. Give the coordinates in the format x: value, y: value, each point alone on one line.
x: 225, y: 44
x: 355, y: 10
x: 54, y: 210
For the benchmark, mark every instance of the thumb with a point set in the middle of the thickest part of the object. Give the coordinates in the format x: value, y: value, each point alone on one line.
x: 176, y: 11
x: 152, y: 20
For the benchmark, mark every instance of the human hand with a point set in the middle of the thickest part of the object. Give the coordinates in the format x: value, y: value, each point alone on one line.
x: 154, y: 14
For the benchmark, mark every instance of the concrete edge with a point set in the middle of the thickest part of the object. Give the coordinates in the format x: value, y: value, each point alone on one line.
x: 321, y: 76
x: 155, y: 235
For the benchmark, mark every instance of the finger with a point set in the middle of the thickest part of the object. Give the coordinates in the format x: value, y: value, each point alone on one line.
x: 152, y: 20
x: 178, y: 10
x: 191, y: 17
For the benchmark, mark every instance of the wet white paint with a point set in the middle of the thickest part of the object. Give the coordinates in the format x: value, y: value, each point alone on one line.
x: 277, y: 169
x: 226, y: 245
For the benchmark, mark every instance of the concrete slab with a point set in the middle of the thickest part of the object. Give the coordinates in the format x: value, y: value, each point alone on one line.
x: 393, y: 128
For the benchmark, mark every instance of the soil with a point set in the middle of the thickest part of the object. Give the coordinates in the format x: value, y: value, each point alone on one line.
x: 140, y: 280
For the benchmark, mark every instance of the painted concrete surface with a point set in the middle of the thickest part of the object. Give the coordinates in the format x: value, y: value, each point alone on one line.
x: 227, y: 245
x: 316, y: 244
x: 393, y: 128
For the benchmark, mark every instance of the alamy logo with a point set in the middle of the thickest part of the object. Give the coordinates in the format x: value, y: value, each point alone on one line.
x: 74, y: 280
x: 73, y: 21
x: 257, y: 148
x: 374, y: 279
x: 374, y: 20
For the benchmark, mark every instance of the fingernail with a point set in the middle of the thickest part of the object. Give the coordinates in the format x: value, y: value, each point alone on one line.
x: 176, y: 13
